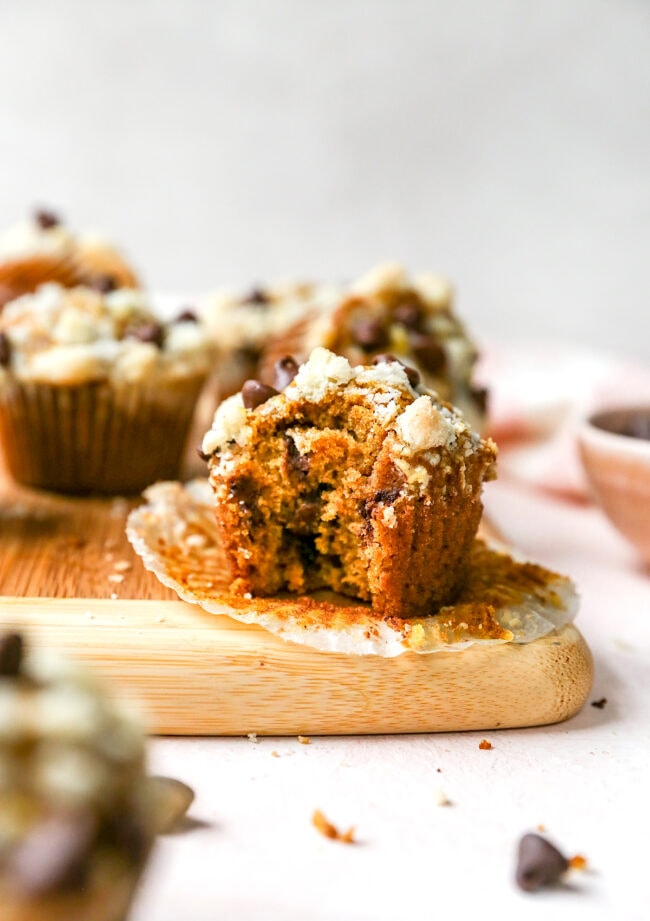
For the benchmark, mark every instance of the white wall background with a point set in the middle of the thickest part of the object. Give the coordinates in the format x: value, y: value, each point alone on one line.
x: 504, y: 142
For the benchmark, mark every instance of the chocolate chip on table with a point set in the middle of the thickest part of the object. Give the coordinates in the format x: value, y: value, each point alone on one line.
x: 429, y: 353
x: 254, y: 393
x: 369, y: 334
x: 5, y: 351
x: 187, y: 315
x: 411, y: 373
x: 599, y: 704
x: 408, y: 314
x: 147, y: 332
x: 53, y: 854
x: 11, y: 654
x: 256, y: 296
x: 284, y: 371
x: 539, y: 863
x: 46, y: 219
x: 104, y: 284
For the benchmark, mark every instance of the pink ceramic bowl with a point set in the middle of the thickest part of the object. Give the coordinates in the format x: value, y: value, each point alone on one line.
x: 615, y: 449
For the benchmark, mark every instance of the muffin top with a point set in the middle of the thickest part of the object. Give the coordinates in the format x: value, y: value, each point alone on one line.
x: 42, y: 233
x: 65, y: 336
x: 419, y: 425
x: 71, y: 769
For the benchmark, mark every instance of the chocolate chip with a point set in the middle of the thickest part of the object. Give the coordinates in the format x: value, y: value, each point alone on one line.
x: 203, y: 455
x: 147, y: 332
x: 381, y: 497
x: 256, y: 296
x: 429, y: 353
x: 411, y: 373
x: 408, y: 315
x: 46, y: 219
x: 11, y: 655
x: 53, y: 854
x: 5, y: 351
x: 284, y: 372
x: 296, y: 460
x: 254, y: 393
x: 539, y: 863
x: 104, y: 284
x: 244, y: 491
x: 369, y: 334
x: 187, y: 315
x: 480, y: 396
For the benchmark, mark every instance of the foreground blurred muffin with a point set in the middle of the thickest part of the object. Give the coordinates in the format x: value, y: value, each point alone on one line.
x: 389, y: 312
x: 97, y: 392
x: 43, y: 249
x: 77, y: 815
x: 355, y: 479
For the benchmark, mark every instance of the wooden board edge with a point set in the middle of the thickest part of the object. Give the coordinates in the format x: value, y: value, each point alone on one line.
x: 201, y: 674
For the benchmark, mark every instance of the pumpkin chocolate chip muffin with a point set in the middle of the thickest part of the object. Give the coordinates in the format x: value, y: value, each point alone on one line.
x: 355, y: 479
x: 97, y: 392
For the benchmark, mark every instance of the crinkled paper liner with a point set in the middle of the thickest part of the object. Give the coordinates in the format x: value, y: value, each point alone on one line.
x: 503, y: 600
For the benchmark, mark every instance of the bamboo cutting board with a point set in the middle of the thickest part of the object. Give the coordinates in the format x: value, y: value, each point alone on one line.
x: 69, y: 579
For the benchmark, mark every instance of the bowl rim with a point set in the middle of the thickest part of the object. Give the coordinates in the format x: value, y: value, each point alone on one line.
x: 592, y: 433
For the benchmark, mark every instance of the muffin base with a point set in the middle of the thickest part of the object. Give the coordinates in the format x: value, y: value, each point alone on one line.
x: 96, y: 437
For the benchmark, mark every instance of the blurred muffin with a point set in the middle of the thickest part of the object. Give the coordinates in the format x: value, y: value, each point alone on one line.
x: 388, y: 312
x: 42, y: 249
x: 356, y: 479
x: 77, y: 815
x: 97, y: 392
x: 243, y: 324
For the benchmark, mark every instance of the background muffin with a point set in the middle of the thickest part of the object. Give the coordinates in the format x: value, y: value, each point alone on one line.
x: 97, y: 392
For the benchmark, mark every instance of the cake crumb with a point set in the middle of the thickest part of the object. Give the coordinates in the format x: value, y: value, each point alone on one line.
x: 89, y: 615
x: 304, y: 740
x: 328, y: 830
x: 599, y: 704
x: 252, y: 736
x: 484, y: 745
x: 577, y: 862
x: 541, y: 827
x: 275, y: 753
x: 441, y: 798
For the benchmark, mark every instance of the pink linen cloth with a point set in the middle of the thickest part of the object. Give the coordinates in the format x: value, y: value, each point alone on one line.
x: 539, y: 396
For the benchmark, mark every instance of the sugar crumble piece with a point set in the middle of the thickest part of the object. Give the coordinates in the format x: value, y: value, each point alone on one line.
x: 252, y: 736
x: 440, y: 797
x: 114, y: 597
x: 484, y: 745
x: 304, y: 740
x: 116, y: 577
x: 123, y: 565
x: 322, y: 825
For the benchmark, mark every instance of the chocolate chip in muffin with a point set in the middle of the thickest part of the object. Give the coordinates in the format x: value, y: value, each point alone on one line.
x: 147, y: 332
x: 5, y: 351
x: 296, y: 460
x: 429, y: 353
x: 284, y: 372
x: 411, y: 373
x: 539, y: 863
x: 46, y: 219
x: 11, y: 655
x: 257, y: 296
x: 409, y: 315
x: 254, y: 393
x: 187, y: 315
x: 104, y: 284
x: 54, y: 853
x: 370, y: 334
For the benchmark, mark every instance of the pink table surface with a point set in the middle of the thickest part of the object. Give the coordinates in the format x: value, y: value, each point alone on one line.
x: 253, y: 853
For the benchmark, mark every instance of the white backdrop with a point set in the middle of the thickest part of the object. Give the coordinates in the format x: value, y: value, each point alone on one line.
x: 502, y: 142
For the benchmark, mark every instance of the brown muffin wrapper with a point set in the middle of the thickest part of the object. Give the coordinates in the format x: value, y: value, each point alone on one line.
x: 23, y: 276
x: 96, y: 437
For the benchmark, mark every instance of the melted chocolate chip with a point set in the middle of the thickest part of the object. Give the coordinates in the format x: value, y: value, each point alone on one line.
x: 408, y: 315
x: 244, y: 491
x: 295, y: 459
x: 104, y: 284
x: 11, y: 655
x: 187, y: 315
x: 369, y: 334
x: 54, y: 853
x: 147, y: 332
x: 429, y: 353
x: 284, y: 372
x: 46, y: 219
x: 257, y: 296
x: 539, y: 863
x: 5, y: 351
x: 254, y: 393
